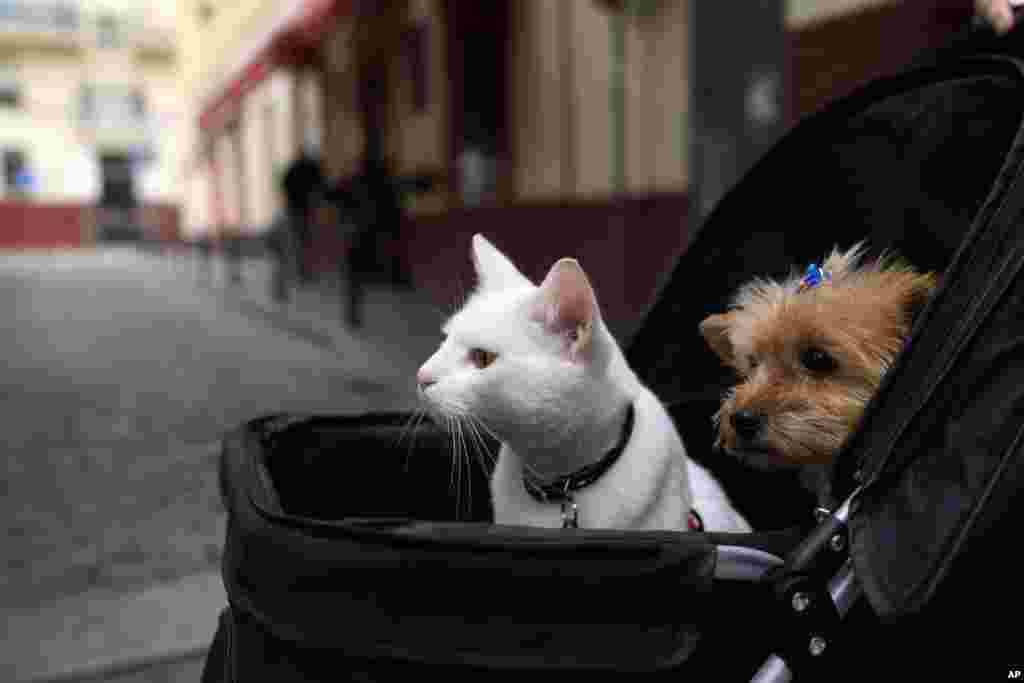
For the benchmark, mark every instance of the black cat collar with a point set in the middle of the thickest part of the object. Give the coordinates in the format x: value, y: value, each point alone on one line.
x: 561, y: 490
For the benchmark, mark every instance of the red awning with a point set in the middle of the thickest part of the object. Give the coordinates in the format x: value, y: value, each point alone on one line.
x: 301, y: 28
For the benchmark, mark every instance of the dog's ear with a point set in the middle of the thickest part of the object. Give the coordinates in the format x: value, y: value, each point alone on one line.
x: 917, y: 290
x: 715, y: 329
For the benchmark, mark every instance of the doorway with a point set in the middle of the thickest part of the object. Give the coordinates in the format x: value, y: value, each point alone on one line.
x: 479, y: 48
x: 116, y: 216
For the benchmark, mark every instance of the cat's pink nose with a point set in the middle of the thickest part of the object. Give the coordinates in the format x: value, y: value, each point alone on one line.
x: 424, y: 379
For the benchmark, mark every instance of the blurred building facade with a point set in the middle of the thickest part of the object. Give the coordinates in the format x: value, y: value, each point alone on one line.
x: 556, y: 127
x: 89, y: 110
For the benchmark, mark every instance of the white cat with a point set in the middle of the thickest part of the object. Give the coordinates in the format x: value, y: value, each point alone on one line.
x: 538, y: 368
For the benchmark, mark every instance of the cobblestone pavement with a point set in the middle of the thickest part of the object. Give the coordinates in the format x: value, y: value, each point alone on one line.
x: 121, y: 374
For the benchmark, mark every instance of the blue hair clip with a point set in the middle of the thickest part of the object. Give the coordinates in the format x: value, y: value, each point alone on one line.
x: 814, y: 277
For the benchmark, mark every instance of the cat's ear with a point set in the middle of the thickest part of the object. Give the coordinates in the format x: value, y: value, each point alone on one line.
x: 715, y: 330
x: 567, y: 306
x: 493, y: 269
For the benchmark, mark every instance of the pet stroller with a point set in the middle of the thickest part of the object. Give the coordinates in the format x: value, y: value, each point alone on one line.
x: 344, y: 559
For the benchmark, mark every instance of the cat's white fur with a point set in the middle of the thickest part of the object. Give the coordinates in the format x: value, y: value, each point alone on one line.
x: 556, y: 397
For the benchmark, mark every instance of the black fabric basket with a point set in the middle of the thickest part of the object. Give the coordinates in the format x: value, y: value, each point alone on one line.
x: 333, y: 567
x: 350, y: 557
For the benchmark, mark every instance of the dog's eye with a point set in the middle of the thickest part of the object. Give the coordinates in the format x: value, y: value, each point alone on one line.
x: 818, y: 360
x: 751, y: 363
x: 481, y: 358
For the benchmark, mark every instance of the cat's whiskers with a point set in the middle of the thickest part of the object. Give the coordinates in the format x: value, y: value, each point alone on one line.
x: 410, y: 426
x: 463, y: 458
x: 484, y: 455
x: 449, y: 423
x: 410, y: 429
x: 469, y: 446
x: 465, y: 431
x: 451, y: 426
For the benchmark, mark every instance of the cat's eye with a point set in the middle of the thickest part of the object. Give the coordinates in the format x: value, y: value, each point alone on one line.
x: 818, y: 360
x: 481, y: 358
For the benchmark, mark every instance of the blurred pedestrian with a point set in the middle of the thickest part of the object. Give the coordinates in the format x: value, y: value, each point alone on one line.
x: 355, y: 217
x: 281, y: 243
x: 303, y: 185
x: 385, y: 200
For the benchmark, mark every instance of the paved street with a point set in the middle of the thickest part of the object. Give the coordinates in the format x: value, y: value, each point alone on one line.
x: 121, y: 375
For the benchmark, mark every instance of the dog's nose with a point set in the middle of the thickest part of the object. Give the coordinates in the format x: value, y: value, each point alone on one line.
x: 746, y: 424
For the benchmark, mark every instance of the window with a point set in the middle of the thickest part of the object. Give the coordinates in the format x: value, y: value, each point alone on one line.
x: 139, y: 104
x: 112, y: 105
x: 10, y: 88
x: 16, y: 176
x: 205, y: 12
x: 65, y: 16
x: 10, y: 11
x: 107, y: 31
x: 10, y: 95
x: 33, y: 14
x: 87, y: 102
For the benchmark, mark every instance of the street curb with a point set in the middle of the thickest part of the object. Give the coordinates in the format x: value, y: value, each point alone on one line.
x: 86, y: 636
x: 131, y: 668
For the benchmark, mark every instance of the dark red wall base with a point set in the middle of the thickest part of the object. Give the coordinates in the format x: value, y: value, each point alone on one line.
x: 28, y: 226
x: 626, y: 246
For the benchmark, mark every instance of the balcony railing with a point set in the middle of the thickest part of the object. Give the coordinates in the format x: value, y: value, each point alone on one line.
x: 154, y: 41
x: 40, y: 24
x: 39, y: 15
x: 63, y: 24
x: 147, y: 35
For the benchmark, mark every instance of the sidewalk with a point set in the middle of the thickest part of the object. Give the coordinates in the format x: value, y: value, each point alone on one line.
x: 161, y: 633
x: 401, y: 328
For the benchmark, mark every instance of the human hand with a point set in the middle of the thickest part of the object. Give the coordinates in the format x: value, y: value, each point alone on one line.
x: 998, y: 13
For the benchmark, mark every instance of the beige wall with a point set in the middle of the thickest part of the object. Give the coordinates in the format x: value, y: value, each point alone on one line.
x: 279, y: 97
x: 422, y: 140
x: 61, y: 148
x: 538, y: 99
x: 562, y: 81
x: 43, y: 127
x: 592, y: 68
x: 227, y: 180
x: 217, y: 50
x: 342, y: 134
x: 802, y: 12
x: 164, y: 179
x: 257, y: 176
x: 657, y: 100
x: 196, y: 216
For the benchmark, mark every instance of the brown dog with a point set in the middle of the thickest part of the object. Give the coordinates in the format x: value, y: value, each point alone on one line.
x: 810, y: 352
